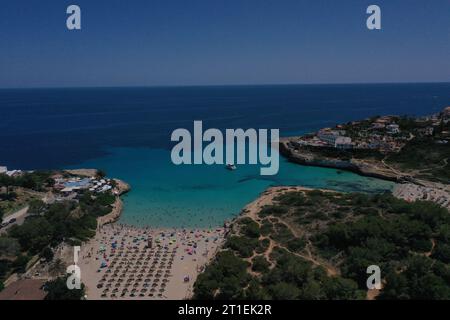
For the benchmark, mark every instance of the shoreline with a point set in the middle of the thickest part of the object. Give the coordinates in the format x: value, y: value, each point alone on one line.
x: 177, y: 255
x: 191, y: 250
x: 406, y: 186
x: 141, y: 263
x: 116, y: 212
x: 362, y: 168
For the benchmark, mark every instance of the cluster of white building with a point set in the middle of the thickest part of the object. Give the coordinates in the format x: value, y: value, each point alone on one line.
x: 326, y: 138
x: 335, y: 138
x: 11, y: 173
x: 72, y: 185
x: 386, y: 123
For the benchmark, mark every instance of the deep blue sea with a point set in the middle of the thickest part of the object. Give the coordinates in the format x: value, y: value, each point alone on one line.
x: 126, y: 131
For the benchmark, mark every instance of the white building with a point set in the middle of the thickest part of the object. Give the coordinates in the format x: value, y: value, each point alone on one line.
x: 334, y: 139
x: 328, y: 136
x: 14, y: 173
x: 393, y: 128
x: 3, y: 169
x: 378, y: 126
x: 343, y: 143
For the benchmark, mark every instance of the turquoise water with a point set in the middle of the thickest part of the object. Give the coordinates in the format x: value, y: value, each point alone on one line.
x: 126, y: 131
x: 166, y: 195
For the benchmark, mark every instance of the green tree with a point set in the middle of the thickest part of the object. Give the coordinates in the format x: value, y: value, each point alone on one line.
x: 47, y: 254
x: 33, y: 235
x: 284, y: 291
x: 9, y: 246
x: 58, y: 290
x: 337, y: 288
x: 20, y: 264
x: 418, y: 282
x: 225, y: 278
x: 6, y: 181
x: 36, y: 206
x: 101, y: 174
x: 255, y: 291
x: 260, y: 264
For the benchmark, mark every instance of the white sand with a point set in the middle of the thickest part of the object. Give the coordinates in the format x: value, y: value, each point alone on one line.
x: 148, y: 273
x: 412, y: 192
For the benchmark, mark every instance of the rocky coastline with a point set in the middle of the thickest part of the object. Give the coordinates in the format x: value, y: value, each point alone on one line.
x: 361, y: 167
x: 117, y: 209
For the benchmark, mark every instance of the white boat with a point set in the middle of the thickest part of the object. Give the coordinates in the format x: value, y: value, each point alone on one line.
x: 231, y: 167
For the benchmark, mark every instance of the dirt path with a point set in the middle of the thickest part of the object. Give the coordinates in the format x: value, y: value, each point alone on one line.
x: 252, y: 211
x: 398, y: 173
x: 269, y: 252
x: 433, y: 245
x: 19, y: 215
x: 16, y: 215
x: 294, y: 232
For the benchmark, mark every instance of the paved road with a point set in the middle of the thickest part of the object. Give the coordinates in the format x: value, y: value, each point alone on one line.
x: 19, y: 215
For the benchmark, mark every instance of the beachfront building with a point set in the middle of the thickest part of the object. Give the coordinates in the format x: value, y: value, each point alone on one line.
x: 3, y: 169
x: 70, y: 187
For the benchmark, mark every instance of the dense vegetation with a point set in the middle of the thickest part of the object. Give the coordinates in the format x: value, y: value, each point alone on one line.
x: 425, y: 154
x: 70, y: 221
x: 37, y: 180
x: 17, y: 191
x: 423, y: 147
x: 314, y: 232
x: 57, y: 290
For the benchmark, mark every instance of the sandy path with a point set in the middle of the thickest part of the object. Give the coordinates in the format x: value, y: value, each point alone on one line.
x: 19, y: 215
x: 16, y: 215
x: 267, y: 198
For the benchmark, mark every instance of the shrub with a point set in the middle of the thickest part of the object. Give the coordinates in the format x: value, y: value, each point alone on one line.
x: 260, y: 264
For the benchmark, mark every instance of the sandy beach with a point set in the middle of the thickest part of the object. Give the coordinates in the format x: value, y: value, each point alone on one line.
x: 125, y: 262
x: 266, y: 198
x: 128, y: 262
x: 432, y: 192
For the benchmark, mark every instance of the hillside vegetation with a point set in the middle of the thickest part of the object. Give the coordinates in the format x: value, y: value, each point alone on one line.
x: 318, y: 245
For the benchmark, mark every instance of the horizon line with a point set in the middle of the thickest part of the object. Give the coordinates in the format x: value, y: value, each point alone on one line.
x: 224, y: 85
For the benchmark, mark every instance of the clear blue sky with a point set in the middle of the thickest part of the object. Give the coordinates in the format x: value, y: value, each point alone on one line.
x: 213, y: 42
